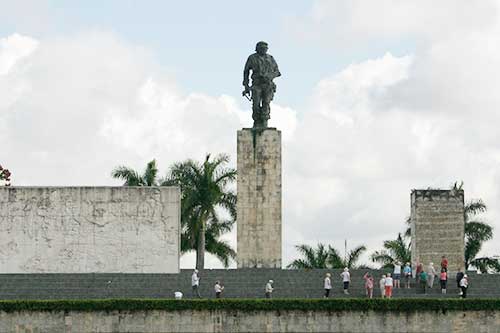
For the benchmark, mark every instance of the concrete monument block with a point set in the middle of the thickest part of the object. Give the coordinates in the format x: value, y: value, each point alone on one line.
x: 89, y: 229
x: 259, y: 198
x: 437, y: 227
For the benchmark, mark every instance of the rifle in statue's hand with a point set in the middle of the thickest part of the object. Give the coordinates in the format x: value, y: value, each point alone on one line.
x: 247, y: 93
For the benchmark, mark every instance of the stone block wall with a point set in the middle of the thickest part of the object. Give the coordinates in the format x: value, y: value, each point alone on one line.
x: 251, y: 321
x: 259, y: 198
x: 437, y: 227
x: 89, y: 229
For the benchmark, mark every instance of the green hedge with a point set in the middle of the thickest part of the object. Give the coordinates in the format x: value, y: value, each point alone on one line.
x: 398, y: 305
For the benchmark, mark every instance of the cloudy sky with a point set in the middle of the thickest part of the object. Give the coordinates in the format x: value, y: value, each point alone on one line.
x: 376, y: 98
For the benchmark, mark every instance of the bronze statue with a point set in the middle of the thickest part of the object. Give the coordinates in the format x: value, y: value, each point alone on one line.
x: 264, y: 69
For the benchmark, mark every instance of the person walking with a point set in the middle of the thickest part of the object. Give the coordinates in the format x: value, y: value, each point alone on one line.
x: 464, y: 284
x: 388, y: 286
x: 346, y: 278
x: 459, y: 276
x: 419, y: 270
x: 218, y: 288
x: 195, y: 284
x: 407, y: 274
x: 397, y: 274
x: 444, y: 263
x: 381, y: 284
x: 431, y: 273
x: 423, y: 281
x: 368, y: 284
x: 443, y: 280
x: 269, y: 288
x: 327, y: 283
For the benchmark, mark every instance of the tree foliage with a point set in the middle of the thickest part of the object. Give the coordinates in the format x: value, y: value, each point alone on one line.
x: 476, y: 233
x: 394, y: 250
x: 208, y: 207
x: 325, y: 257
x: 205, y: 200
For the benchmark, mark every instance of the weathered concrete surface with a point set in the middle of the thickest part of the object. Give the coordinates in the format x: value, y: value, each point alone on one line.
x: 89, y: 229
x: 259, y: 198
x: 255, y: 321
x: 437, y: 227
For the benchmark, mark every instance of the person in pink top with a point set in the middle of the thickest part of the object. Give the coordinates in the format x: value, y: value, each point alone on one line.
x: 443, y: 280
x: 368, y: 284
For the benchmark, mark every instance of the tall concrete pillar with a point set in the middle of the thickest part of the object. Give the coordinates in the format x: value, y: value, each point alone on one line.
x: 259, y: 198
x: 438, y: 227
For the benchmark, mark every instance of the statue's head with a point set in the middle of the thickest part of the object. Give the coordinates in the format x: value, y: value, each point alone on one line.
x: 261, y: 47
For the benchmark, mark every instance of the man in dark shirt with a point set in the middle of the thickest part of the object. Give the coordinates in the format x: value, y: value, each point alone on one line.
x: 264, y: 69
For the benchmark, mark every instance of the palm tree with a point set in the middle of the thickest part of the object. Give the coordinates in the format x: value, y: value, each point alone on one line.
x: 311, y: 258
x: 325, y: 257
x: 394, y: 250
x: 476, y: 233
x: 133, y: 178
x: 351, y: 259
x: 205, y: 195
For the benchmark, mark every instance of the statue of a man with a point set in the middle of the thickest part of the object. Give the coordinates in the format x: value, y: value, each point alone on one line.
x: 264, y: 69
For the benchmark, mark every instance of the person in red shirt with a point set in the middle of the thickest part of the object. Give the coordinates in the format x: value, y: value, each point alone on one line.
x: 419, y: 270
x: 443, y: 279
x: 444, y: 263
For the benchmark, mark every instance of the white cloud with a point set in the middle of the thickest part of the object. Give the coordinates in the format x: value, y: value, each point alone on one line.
x: 355, y: 22
x: 383, y: 126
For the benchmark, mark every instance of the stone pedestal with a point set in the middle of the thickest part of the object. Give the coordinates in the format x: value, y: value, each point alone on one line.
x: 437, y: 227
x: 259, y: 198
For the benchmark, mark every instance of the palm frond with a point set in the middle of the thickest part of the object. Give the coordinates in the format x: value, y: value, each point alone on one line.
x: 130, y: 176
x: 354, y: 255
x: 150, y: 174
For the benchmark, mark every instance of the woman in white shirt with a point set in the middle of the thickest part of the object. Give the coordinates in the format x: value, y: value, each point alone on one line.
x: 346, y: 278
x: 327, y: 285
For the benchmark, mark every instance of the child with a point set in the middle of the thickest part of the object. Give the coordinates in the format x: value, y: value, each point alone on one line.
x: 388, y: 286
x: 464, y: 284
x: 381, y: 284
x: 218, y: 289
x: 423, y: 280
x: 443, y: 279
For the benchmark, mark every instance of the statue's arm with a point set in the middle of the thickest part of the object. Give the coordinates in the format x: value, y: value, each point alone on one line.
x: 246, y: 73
x: 276, y: 71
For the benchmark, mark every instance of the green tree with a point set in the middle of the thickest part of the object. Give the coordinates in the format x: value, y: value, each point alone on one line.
x: 133, y: 178
x: 208, y: 206
x: 311, y: 258
x: 325, y: 257
x: 204, y: 197
x: 394, y: 250
x: 476, y: 233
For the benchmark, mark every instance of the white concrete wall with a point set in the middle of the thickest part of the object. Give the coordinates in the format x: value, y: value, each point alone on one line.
x: 254, y: 321
x: 89, y: 229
